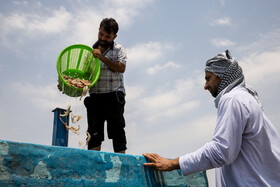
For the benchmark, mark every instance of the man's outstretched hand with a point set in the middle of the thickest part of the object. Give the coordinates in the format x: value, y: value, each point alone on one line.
x: 160, y: 163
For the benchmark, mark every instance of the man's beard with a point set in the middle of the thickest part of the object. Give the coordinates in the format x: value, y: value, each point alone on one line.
x: 103, y: 43
x: 214, y: 94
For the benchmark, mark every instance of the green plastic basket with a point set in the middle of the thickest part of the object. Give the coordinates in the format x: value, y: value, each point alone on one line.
x: 77, y: 61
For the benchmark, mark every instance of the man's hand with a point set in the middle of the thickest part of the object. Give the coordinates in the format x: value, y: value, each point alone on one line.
x: 97, y: 53
x: 160, y: 163
x: 116, y: 66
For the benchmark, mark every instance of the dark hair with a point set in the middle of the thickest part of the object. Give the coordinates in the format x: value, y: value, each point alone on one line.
x: 109, y: 25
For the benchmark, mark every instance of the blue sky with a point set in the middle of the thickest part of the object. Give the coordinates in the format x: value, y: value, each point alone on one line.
x: 167, y: 42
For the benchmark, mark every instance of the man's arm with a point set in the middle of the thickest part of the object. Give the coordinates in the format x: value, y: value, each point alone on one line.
x: 160, y: 163
x: 114, y: 65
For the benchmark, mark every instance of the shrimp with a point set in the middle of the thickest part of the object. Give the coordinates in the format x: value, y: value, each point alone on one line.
x: 67, y: 112
x: 78, y: 117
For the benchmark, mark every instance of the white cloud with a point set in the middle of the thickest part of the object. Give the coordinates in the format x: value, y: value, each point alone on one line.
x: 268, y: 41
x: 42, y: 97
x: 222, y: 21
x: 85, y: 30
x: 222, y: 2
x: 182, y: 108
x: 146, y: 52
x: 162, y: 100
x: 258, y: 66
x: 85, y: 24
x: 186, y: 86
x: 20, y: 2
x: 260, y: 59
x: 55, y: 23
x: 177, y: 110
x: 134, y: 92
x: 124, y: 10
x: 157, y: 67
x: 165, y: 99
x: 221, y: 42
x: 33, y: 90
x: 178, y: 138
x: 80, y: 25
x: 165, y: 102
x: 134, y: 3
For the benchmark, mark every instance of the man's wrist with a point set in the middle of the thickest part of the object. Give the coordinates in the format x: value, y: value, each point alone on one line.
x: 100, y: 57
x: 175, y: 164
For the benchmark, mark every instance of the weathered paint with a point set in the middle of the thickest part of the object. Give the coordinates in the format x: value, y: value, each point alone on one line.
x: 113, y: 174
x: 23, y: 164
x: 4, y: 150
x: 41, y: 172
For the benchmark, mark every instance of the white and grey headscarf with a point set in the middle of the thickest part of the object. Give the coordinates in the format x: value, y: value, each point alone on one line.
x: 227, y: 68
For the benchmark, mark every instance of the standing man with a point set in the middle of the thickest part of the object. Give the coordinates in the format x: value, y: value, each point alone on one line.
x: 107, y: 97
x: 245, y: 148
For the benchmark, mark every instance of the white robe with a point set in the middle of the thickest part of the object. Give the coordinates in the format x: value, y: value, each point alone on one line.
x: 245, y: 149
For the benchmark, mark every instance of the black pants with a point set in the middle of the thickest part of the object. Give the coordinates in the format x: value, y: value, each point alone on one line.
x: 106, y: 107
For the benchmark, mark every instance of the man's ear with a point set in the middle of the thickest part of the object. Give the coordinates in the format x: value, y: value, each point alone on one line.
x: 115, y: 37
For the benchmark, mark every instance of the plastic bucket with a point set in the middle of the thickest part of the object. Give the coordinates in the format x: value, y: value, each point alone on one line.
x: 77, y: 61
